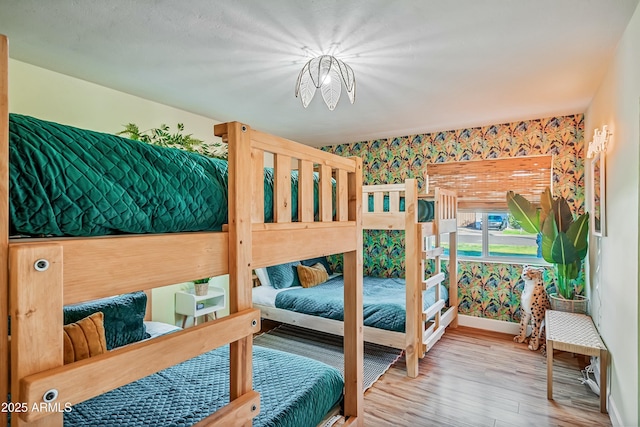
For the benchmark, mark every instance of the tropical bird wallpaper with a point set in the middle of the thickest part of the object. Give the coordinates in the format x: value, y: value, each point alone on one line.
x: 486, y: 289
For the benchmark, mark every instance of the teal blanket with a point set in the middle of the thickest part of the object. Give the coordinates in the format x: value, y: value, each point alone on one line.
x: 66, y: 181
x: 294, y: 392
x: 384, y: 301
x: 425, y: 207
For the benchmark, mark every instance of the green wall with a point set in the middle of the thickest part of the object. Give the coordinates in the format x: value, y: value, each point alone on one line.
x: 488, y: 290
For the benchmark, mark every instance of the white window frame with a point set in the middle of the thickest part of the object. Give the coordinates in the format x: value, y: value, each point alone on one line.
x: 485, y: 257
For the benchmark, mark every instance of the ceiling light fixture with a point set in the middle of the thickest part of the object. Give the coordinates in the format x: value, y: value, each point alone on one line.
x: 326, y: 73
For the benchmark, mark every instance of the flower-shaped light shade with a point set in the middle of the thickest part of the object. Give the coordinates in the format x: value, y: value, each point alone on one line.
x: 326, y: 73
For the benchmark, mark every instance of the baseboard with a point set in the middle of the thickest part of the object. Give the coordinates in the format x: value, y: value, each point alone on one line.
x: 489, y: 324
x: 614, y: 415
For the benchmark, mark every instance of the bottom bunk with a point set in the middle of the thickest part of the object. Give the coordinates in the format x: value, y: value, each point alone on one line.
x: 321, y: 308
x: 294, y: 391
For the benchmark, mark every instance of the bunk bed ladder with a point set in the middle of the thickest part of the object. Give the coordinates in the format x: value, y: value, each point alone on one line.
x: 432, y: 329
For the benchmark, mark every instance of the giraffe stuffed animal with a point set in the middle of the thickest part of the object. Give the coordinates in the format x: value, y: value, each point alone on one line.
x: 534, y: 303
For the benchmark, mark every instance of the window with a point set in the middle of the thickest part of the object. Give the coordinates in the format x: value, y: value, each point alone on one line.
x: 495, y: 236
x: 486, y: 231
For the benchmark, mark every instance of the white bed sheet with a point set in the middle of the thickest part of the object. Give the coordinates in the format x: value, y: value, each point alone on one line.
x: 156, y: 329
x: 266, y: 295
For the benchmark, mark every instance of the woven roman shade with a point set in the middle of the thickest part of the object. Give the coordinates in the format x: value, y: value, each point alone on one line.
x: 482, y: 185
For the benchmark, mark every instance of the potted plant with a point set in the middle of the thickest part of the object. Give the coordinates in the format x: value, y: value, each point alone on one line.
x: 201, y: 286
x: 163, y: 137
x: 563, y: 242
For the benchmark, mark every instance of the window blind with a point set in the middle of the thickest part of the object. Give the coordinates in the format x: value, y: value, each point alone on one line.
x: 483, y: 184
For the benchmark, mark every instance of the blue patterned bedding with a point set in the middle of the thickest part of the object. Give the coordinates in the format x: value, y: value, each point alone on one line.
x: 384, y: 301
x: 294, y: 392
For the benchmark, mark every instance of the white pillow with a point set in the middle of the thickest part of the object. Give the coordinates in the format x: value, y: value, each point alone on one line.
x: 263, y: 276
x: 156, y: 329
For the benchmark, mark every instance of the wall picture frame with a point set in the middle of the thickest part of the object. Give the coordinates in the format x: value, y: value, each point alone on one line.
x: 598, y: 223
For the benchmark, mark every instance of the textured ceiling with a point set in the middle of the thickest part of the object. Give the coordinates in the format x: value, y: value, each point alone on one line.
x: 420, y: 66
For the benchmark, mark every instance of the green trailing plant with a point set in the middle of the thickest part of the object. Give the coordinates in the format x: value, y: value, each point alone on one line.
x: 564, y: 238
x: 163, y: 137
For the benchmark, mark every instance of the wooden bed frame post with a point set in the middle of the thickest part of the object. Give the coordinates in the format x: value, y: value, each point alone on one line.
x: 4, y: 224
x: 240, y: 247
x: 36, y: 305
x: 453, y: 271
x: 353, y: 314
x: 413, y: 281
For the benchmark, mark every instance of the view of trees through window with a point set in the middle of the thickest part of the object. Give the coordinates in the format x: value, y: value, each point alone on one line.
x: 495, y: 235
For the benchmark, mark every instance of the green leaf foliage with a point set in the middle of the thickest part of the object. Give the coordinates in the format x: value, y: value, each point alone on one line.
x: 162, y: 136
x: 549, y: 233
x: 563, y: 214
x: 562, y: 251
x: 564, y: 241
x: 566, y: 273
x: 577, y: 234
x: 524, y: 212
x: 546, y: 203
x: 573, y: 270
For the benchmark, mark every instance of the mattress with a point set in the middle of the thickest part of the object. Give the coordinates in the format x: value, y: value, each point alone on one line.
x: 384, y: 301
x: 65, y: 181
x: 294, y: 392
x: 426, y: 208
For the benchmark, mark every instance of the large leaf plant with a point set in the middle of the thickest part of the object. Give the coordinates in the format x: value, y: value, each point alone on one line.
x: 564, y: 239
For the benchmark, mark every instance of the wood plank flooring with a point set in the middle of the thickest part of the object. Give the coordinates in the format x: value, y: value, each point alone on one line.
x: 479, y: 378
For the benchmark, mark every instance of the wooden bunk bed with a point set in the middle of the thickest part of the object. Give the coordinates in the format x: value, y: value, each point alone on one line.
x: 41, y: 275
x: 423, y: 326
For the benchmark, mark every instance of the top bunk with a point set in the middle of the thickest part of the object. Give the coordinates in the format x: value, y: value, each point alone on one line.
x: 69, y: 185
x: 398, y: 206
x: 49, y: 269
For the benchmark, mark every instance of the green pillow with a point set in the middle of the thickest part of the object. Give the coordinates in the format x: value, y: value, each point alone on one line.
x: 123, y: 317
x: 284, y: 275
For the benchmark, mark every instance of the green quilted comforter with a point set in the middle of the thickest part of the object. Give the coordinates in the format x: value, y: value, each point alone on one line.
x: 66, y: 181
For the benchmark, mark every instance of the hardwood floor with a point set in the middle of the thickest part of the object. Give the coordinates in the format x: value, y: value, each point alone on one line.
x: 478, y: 378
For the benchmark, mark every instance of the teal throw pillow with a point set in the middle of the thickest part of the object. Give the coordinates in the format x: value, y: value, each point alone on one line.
x: 123, y: 317
x: 284, y: 275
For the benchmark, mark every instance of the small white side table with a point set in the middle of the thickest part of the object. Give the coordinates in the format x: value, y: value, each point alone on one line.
x: 187, y: 303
